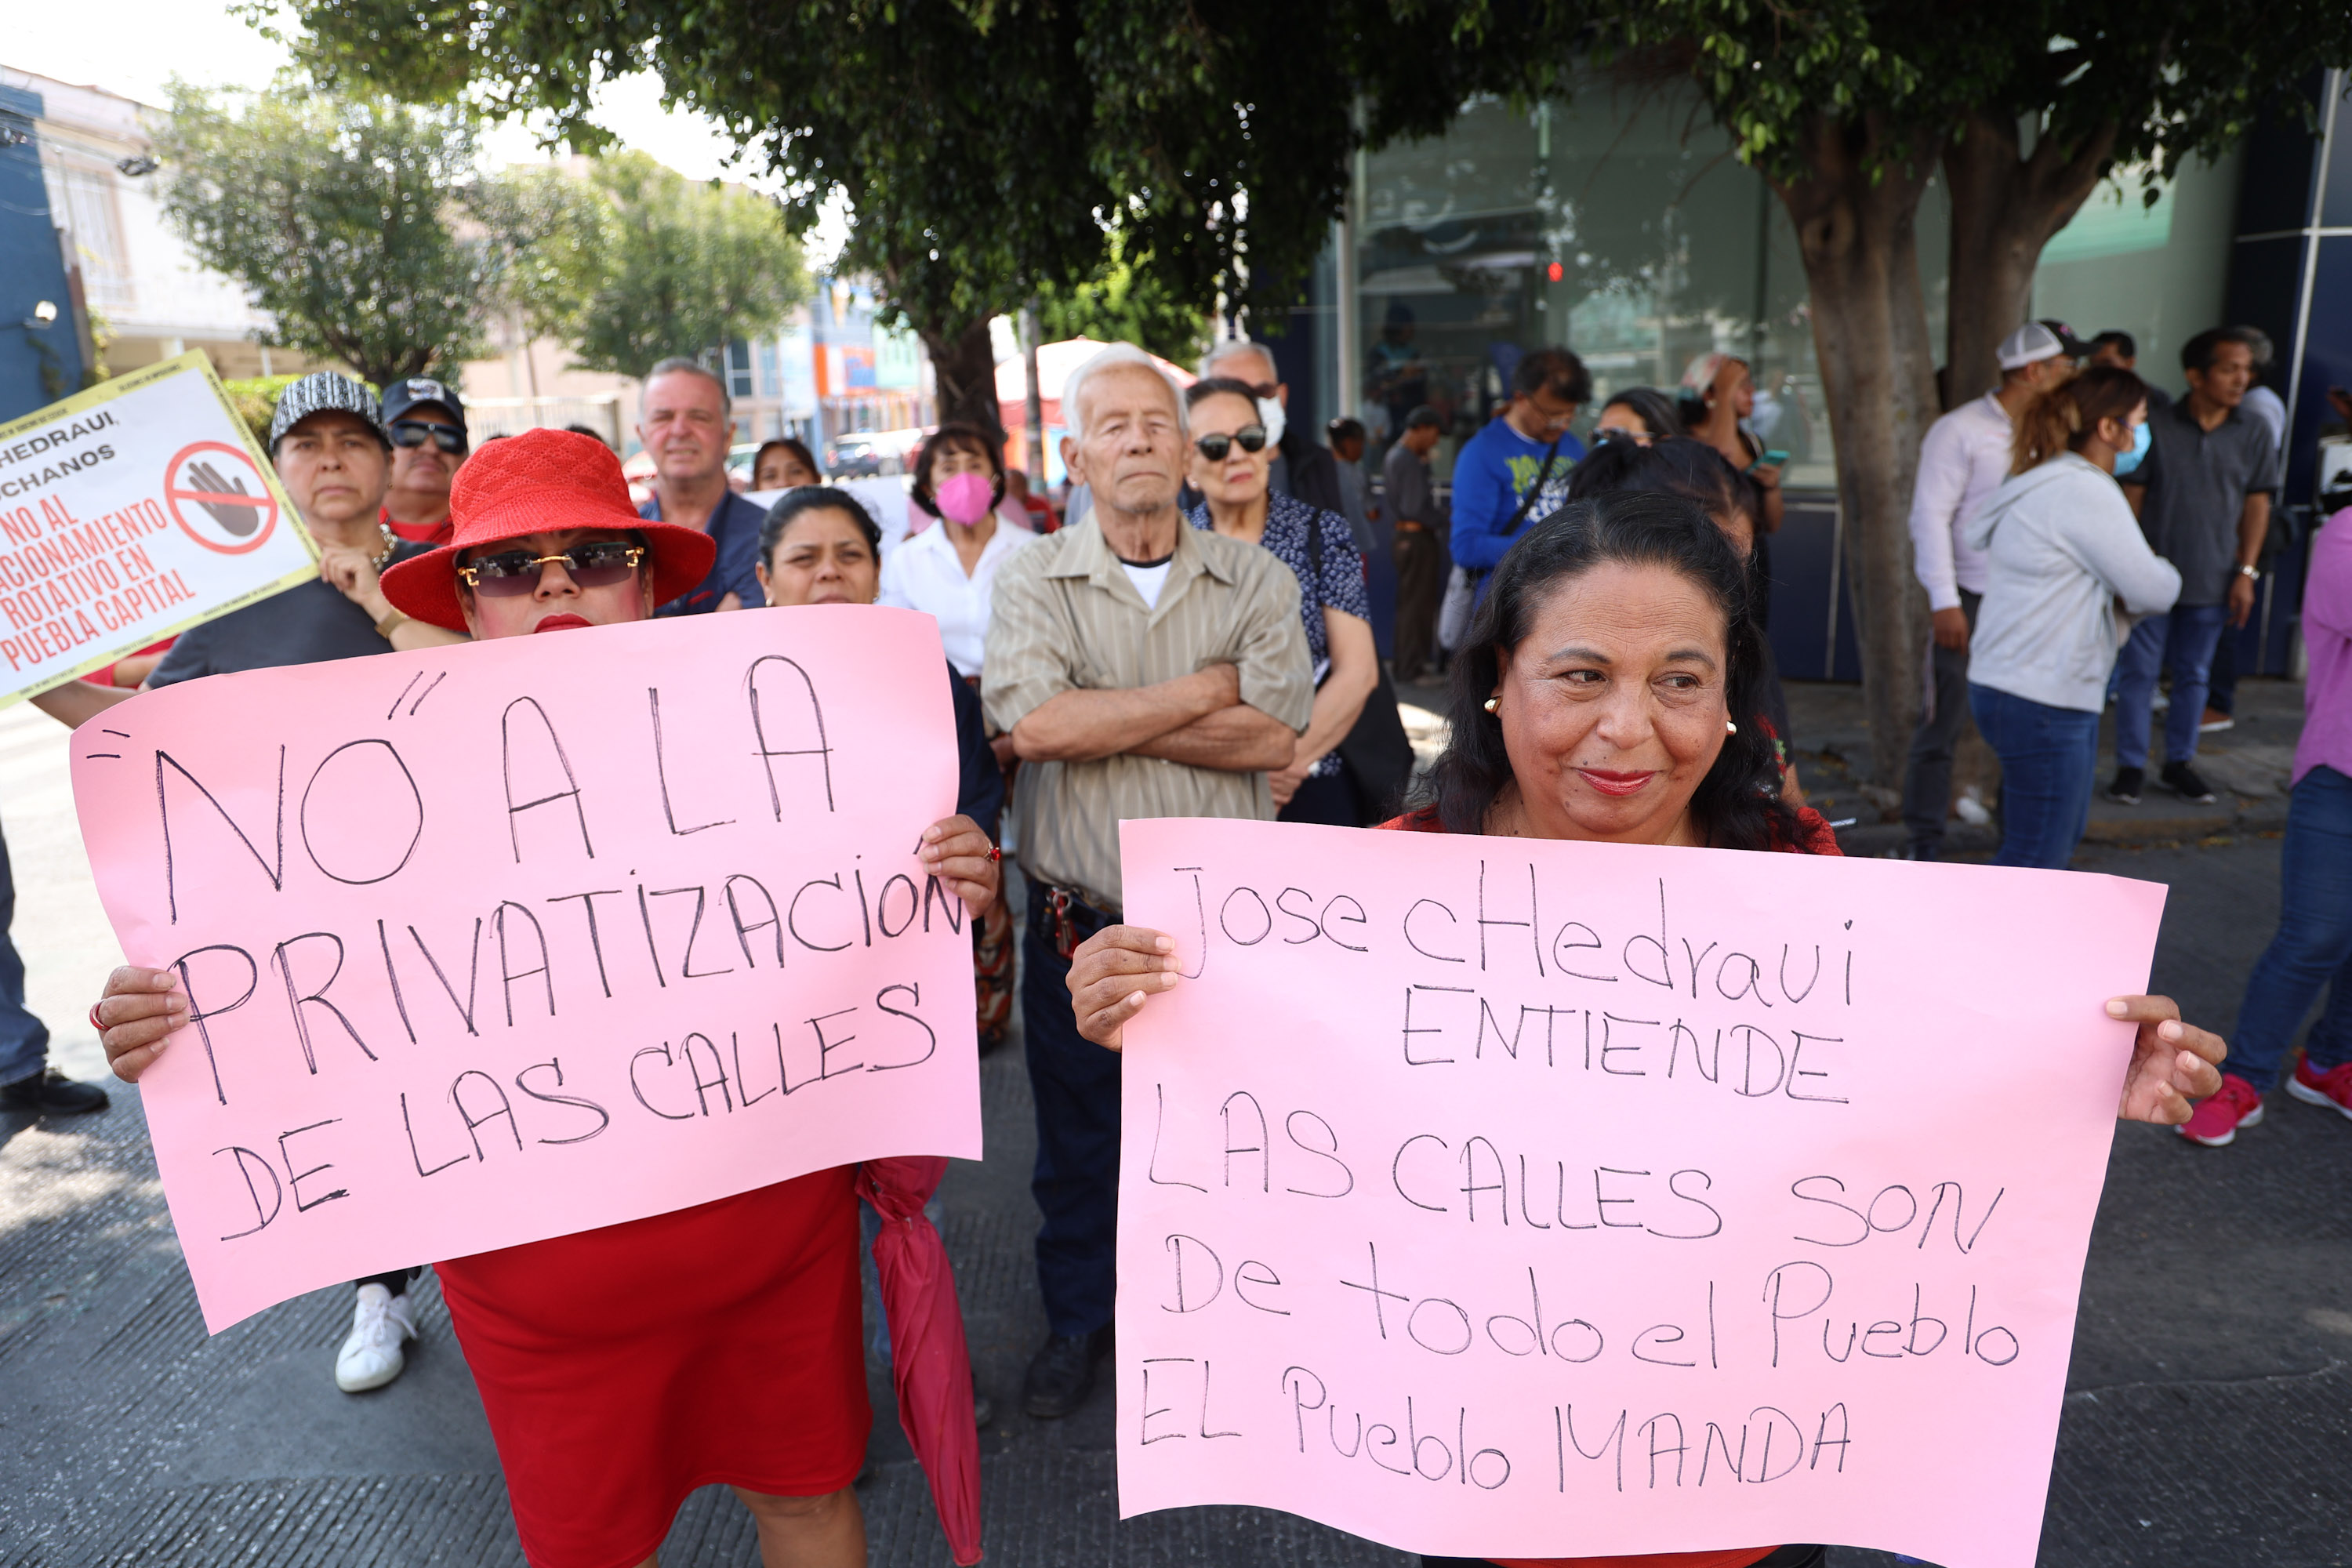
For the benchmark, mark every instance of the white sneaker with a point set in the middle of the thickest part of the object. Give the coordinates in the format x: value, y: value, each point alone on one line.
x: 1970, y: 808
x: 370, y: 1356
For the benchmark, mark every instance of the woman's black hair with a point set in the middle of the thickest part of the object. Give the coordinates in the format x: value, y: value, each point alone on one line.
x: 797, y: 448
x: 815, y: 498
x: 1677, y: 466
x: 1737, y: 805
x: 955, y: 433
x: 1657, y: 409
x: 1210, y: 387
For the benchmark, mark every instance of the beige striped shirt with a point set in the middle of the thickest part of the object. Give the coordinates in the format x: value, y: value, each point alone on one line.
x: 1065, y: 618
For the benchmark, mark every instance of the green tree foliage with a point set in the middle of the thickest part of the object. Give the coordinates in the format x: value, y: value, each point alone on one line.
x: 661, y: 265
x: 569, y: 218
x: 363, y: 226
x: 1118, y: 304
x: 255, y: 397
x: 1849, y: 108
x: 985, y: 146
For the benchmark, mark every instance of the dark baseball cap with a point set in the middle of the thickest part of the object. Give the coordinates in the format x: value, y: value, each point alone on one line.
x: 403, y: 396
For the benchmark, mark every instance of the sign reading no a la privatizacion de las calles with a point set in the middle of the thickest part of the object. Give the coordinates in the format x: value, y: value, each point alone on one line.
x: 128, y: 513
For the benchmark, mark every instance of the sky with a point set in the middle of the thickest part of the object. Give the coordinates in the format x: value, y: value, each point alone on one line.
x: 146, y: 42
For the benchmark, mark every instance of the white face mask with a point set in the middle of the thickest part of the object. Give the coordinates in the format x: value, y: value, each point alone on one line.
x: 1270, y: 415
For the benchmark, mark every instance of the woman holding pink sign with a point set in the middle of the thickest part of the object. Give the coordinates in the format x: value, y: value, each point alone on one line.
x: 611, y: 1401
x: 1595, y: 702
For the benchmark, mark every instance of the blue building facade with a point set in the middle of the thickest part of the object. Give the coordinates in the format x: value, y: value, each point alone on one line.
x: 40, y: 347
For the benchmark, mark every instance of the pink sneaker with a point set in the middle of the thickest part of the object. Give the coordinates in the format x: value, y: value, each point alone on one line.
x: 2236, y: 1104
x: 2332, y: 1088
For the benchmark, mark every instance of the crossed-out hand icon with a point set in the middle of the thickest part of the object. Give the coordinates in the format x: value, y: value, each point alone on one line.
x: 238, y: 521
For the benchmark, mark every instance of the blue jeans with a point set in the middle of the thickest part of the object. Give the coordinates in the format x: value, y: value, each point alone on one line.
x: 1075, y: 1085
x: 24, y: 1039
x: 2182, y: 638
x: 2314, y: 944
x: 2049, y: 762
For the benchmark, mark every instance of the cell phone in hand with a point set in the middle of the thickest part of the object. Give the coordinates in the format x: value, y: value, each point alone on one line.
x: 1773, y: 459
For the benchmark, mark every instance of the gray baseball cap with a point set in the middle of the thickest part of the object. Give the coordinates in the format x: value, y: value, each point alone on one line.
x: 324, y: 392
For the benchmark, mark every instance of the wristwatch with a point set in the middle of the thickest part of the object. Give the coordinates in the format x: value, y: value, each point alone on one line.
x: 2252, y: 572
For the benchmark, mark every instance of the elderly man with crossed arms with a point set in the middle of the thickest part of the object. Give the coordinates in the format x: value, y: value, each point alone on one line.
x: 1143, y: 668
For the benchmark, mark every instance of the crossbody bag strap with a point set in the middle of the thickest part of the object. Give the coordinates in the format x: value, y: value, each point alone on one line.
x: 1552, y: 455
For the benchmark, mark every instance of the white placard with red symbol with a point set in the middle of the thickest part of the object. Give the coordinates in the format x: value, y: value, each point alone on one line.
x: 128, y: 513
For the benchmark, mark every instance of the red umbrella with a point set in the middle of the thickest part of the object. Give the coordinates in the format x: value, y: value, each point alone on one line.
x: 929, y: 1363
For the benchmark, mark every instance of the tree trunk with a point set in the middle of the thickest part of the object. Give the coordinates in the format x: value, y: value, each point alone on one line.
x: 1854, y: 212
x: 965, y: 368
x: 2005, y: 207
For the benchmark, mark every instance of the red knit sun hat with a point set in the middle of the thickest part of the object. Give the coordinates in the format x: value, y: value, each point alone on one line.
x: 541, y: 481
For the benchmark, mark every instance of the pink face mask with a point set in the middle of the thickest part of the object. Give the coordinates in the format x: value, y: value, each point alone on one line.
x: 964, y: 497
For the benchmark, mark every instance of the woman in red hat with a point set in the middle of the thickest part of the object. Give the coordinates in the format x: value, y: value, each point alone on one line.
x: 623, y: 1367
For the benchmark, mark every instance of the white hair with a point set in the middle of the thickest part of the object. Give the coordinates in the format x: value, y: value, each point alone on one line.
x: 1073, y: 388
x: 1233, y: 348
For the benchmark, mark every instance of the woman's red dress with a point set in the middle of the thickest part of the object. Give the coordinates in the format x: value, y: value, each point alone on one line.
x: 621, y: 1368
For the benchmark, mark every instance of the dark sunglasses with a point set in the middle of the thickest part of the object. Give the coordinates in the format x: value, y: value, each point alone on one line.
x: 606, y: 563
x: 1214, y: 447
x: 416, y: 432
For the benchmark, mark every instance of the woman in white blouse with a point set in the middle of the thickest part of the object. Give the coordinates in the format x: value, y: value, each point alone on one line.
x: 947, y: 571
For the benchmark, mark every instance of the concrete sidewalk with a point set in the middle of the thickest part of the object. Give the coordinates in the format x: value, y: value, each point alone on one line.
x: 2246, y: 766
x: 2209, y: 1411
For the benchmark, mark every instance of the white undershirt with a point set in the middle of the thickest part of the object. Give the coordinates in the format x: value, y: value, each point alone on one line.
x: 1148, y: 580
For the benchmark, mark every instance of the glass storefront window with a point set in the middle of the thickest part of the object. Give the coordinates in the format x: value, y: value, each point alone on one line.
x: 1618, y: 224
x: 2159, y: 273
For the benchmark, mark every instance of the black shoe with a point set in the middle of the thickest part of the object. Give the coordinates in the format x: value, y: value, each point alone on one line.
x: 2126, y: 786
x: 52, y: 1093
x: 1063, y: 1374
x: 2182, y: 780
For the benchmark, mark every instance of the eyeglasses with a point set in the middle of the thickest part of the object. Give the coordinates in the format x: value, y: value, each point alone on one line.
x: 416, y: 432
x: 606, y: 563
x: 1252, y: 438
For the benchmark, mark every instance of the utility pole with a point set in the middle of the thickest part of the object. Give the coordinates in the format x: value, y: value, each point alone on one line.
x: 1036, y: 403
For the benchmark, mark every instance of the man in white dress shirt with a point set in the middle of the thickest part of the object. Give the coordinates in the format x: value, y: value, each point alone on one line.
x: 1964, y: 459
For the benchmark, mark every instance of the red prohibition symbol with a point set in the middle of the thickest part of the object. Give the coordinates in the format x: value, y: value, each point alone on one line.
x: 209, y: 476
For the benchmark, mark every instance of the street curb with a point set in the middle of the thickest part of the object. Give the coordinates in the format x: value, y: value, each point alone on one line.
x: 2166, y: 821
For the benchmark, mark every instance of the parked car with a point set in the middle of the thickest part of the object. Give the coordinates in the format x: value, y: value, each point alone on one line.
x: 854, y: 456
x: 862, y: 454
x: 739, y: 458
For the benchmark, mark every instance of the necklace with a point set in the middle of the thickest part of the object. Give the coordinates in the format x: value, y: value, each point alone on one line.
x: 391, y: 542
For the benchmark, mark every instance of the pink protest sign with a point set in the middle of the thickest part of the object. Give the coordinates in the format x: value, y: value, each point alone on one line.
x: 506, y: 940
x: 1499, y: 1198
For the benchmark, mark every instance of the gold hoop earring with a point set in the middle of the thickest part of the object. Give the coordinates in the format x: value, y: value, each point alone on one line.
x: 1729, y: 728
x: 1492, y: 703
